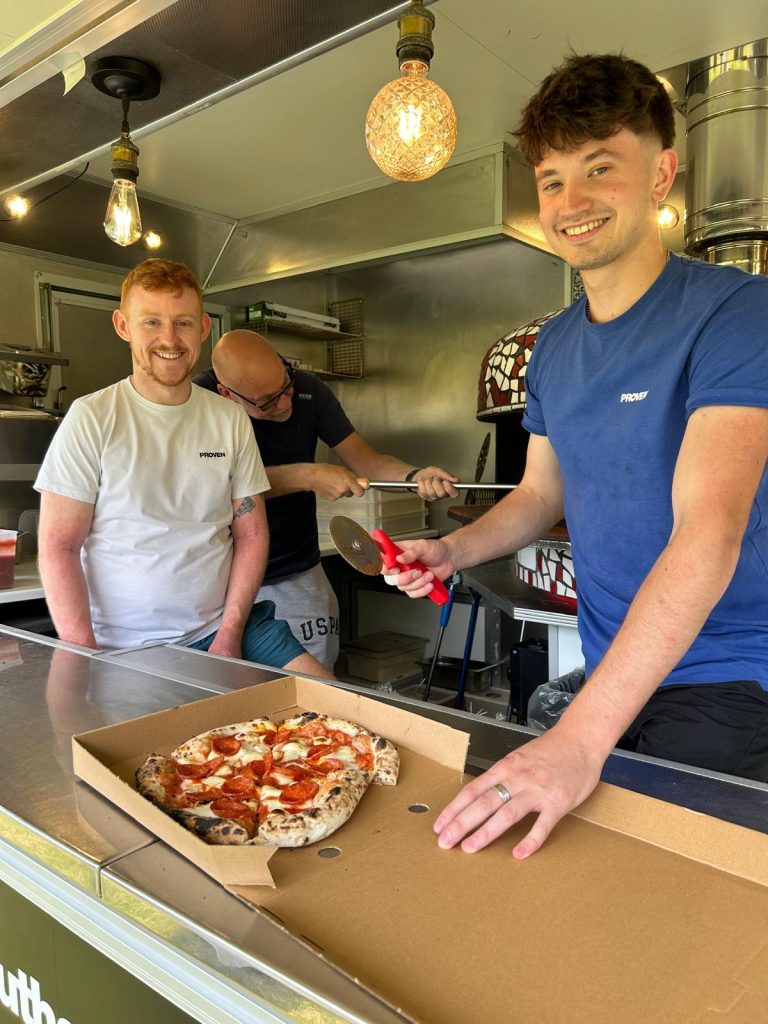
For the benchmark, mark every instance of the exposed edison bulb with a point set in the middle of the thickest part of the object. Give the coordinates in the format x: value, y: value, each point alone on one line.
x: 17, y: 206
x: 123, y: 221
x: 410, y: 127
x: 668, y: 217
x: 153, y: 240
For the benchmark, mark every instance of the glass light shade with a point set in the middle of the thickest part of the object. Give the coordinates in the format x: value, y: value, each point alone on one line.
x: 123, y: 221
x: 17, y: 206
x: 410, y: 127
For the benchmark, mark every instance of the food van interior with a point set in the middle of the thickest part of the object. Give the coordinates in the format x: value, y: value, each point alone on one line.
x: 450, y: 266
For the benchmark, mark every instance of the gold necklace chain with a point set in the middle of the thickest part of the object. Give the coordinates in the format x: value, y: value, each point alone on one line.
x: 587, y: 309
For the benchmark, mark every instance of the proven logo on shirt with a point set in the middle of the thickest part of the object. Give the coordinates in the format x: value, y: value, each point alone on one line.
x: 213, y: 455
x: 633, y: 396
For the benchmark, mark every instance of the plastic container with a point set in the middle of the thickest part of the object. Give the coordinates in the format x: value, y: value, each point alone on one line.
x: 385, y: 657
x: 395, y: 512
x: 407, y: 680
x: 447, y: 672
x: 436, y: 695
x: 7, y: 558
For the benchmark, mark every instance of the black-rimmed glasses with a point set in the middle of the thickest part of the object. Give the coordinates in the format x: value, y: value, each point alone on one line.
x: 270, y: 402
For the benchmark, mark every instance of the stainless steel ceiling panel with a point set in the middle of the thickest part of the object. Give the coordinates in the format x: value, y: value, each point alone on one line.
x: 200, y: 48
x: 70, y: 225
x: 461, y: 204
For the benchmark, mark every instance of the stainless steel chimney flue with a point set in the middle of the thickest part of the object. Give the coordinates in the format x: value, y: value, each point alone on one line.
x: 727, y: 158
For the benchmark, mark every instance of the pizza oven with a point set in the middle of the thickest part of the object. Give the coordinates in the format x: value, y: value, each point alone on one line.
x: 547, y: 564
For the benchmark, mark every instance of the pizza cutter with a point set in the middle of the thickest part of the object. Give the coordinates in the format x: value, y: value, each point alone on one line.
x: 369, y: 552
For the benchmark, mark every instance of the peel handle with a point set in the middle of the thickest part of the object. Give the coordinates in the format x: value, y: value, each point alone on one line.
x: 389, y: 552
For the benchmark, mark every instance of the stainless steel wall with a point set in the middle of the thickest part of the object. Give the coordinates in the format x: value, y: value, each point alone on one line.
x: 429, y: 321
x: 727, y: 147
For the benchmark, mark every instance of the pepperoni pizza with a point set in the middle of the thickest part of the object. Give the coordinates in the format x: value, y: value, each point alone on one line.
x: 262, y: 783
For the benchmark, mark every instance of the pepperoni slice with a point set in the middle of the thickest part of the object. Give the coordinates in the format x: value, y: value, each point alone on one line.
x: 199, y: 771
x: 299, y: 792
x: 227, y: 745
x: 364, y: 761
x: 202, y: 796
x: 240, y: 786
x: 255, y: 769
x: 192, y: 771
x: 225, y: 808
x: 330, y: 764
x: 317, y: 752
x: 295, y: 770
x: 312, y: 729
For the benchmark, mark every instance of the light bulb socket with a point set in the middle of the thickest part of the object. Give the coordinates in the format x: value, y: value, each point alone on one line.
x: 415, y: 42
x: 125, y: 158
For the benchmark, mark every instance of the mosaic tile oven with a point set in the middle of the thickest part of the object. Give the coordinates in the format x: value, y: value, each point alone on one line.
x: 548, y: 567
x: 545, y: 565
x: 501, y: 385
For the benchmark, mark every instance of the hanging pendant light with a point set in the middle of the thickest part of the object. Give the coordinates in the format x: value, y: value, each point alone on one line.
x: 410, y: 127
x: 126, y: 79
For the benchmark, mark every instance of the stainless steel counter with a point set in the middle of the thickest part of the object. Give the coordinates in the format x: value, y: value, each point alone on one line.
x: 90, y: 867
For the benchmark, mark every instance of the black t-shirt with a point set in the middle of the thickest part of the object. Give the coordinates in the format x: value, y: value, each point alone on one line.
x: 317, y: 414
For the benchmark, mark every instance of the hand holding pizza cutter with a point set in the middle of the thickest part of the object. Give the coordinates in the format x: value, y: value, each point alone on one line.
x: 369, y: 552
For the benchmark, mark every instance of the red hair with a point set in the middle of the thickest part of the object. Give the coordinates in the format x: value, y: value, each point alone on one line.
x: 157, y: 275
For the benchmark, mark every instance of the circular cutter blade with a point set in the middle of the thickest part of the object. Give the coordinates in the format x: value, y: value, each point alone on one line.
x: 355, y: 545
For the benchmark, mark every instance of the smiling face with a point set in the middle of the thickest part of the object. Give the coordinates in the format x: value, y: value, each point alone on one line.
x: 166, y: 331
x: 598, y: 202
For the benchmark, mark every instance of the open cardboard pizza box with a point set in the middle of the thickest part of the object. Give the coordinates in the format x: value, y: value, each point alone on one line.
x: 634, y: 912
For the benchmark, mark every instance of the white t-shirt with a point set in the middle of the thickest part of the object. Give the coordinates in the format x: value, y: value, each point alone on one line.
x: 162, y: 479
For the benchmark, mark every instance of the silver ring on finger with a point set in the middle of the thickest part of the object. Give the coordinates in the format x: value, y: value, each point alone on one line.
x: 503, y: 792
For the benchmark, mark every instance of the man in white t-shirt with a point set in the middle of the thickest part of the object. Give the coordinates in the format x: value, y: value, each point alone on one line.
x: 152, y: 521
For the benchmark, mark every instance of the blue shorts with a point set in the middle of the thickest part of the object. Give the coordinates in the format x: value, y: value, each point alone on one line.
x: 266, y: 640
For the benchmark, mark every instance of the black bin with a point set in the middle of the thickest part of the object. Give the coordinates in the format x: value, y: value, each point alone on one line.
x: 528, y: 668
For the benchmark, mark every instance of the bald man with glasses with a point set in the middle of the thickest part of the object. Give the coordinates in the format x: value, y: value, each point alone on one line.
x: 290, y: 411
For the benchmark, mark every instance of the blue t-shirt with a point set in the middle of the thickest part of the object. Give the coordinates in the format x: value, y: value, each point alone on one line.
x: 614, y: 400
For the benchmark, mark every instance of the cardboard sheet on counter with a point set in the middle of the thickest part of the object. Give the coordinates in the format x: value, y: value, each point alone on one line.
x: 635, y: 911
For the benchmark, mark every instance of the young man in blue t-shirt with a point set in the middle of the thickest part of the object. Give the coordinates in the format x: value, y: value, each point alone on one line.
x: 648, y: 414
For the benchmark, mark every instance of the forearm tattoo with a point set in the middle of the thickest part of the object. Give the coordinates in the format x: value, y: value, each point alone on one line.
x: 246, y: 505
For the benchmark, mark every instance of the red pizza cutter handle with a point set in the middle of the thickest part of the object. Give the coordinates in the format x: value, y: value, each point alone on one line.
x: 390, y: 551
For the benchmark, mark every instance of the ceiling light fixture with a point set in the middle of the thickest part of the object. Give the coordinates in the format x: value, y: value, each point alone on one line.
x: 153, y: 239
x: 17, y: 206
x: 668, y: 217
x: 410, y: 127
x: 127, y: 80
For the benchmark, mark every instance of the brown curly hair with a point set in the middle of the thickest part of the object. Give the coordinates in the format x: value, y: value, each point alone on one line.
x: 593, y: 96
x: 157, y: 275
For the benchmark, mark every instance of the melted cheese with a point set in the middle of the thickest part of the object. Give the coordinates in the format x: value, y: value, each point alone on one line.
x: 346, y: 754
x: 292, y: 750
x: 251, y: 753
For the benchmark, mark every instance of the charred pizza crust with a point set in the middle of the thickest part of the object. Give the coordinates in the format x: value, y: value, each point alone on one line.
x: 333, y: 807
